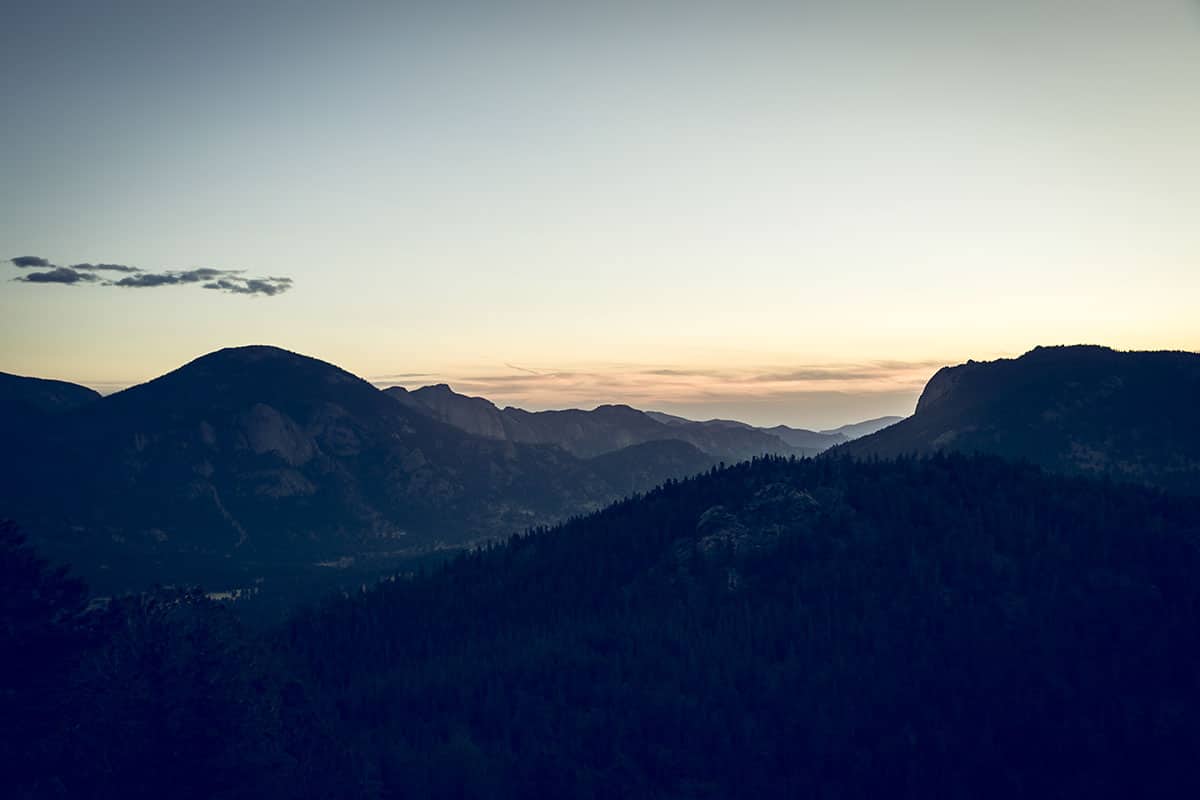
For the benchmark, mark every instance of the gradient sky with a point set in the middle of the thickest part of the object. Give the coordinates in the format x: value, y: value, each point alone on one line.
x: 783, y: 212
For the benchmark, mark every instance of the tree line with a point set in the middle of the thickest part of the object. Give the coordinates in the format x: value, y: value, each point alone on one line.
x: 936, y: 627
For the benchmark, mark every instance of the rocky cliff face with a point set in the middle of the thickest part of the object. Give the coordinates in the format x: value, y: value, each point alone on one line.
x: 471, y: 414
x: 940, y: 386
x: 1079, y: 410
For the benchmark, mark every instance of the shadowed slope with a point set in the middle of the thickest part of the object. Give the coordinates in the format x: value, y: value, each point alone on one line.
x: 951, y: 627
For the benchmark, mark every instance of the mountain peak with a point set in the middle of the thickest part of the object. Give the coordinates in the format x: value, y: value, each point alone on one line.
x: 249, y: 353
x: 1068, y: 350
x: 257, y: 354
x: 1081, y: 409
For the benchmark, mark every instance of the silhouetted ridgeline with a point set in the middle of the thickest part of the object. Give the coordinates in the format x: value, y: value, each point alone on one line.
x: 1078, y: 410
x: 953, y: 627
x: 24, y: 400
x: 611, y: 427
x: 251, y: 461
x: 252, y: 467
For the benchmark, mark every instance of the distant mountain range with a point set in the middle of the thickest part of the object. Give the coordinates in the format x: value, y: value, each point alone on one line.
x: 254, y: 458
x: 255, y: 455
x: 1081, y: 410
x: 611, y: 427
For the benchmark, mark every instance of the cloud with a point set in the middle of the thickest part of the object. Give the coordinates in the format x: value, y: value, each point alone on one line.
x: 58, y: 275
x: 147, y: 280
x: 869, y: 371
x: 222, y: 280
x: 399, y: 376
x: 807, y: 395
x: 25, y: 262
x: 268, y: 286
x: 523, y: 369
x: 106, y: 267
x: 230, y: 281
x: 741, y: 380
x: 144, y: 280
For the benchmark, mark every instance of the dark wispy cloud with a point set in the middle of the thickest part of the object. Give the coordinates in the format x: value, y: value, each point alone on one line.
x: 268, y: 286
x: 231, y: 281
x: 868, y: 371
x: 147, y: 280
x: 25, y: 262
x: 59, y: 275
x: 144, y: 280
x: 524, y: 369
x: 106, y: 267
x: 384, y: 380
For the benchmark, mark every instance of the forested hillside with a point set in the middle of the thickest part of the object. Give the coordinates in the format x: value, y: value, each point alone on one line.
x: 950, y: 627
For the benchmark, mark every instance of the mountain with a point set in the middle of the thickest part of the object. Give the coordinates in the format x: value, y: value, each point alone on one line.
x: 582, y: 433
x: 809, y: 440
x: 801, y: 438
x: 22, y: 398
x: 255, y: 458
x: 671, y: 419
x: 639, y: 467
x: 1083, y: 410
x: 857, y: 430
x: 610, y: 427
x: 471, y: 414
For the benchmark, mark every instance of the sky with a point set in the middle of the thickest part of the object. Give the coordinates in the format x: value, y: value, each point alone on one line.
x: 783, y: 212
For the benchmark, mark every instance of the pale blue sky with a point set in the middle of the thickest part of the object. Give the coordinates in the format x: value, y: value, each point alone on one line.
x: 669, y: 204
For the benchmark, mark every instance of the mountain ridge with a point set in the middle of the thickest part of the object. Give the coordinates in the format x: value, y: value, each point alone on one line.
x: 1075, y: 409
x: 589, y: 433
x: 260, y: 455
x: 22, y: 396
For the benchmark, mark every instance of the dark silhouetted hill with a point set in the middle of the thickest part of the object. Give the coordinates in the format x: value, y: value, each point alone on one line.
x: 1081, y: 410
x: 952, y: 627
x: 857, y: 430
x: 22, y: 398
